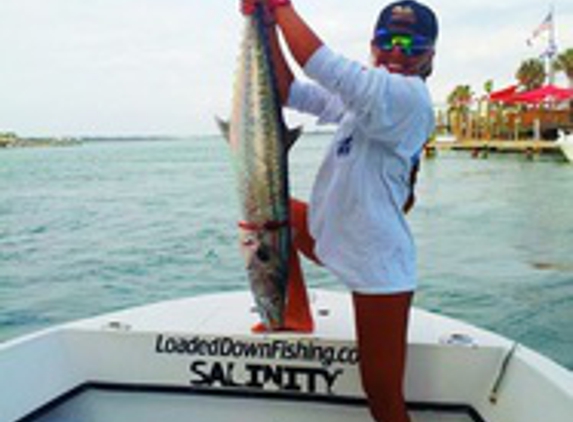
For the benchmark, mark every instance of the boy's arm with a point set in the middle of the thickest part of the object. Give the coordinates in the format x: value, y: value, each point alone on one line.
x: 300, y: 38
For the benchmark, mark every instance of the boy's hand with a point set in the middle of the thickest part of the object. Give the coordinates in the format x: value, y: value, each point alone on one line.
x: 274, y: 4
x: 248, y: 6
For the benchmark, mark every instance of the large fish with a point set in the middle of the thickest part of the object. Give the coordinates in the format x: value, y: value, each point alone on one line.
x: 259, y: 142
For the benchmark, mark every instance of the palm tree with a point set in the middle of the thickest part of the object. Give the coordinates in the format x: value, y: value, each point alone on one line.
x: 459, y: 102
x: 531, y: 74
x: 564, y: 63
x: 488, y: 88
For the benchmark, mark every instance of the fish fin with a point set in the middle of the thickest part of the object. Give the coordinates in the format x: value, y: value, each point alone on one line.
x: 224, y: 127
x: 291, y: 136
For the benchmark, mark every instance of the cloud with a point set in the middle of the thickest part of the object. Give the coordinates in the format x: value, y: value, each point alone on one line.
x: 167, y: 66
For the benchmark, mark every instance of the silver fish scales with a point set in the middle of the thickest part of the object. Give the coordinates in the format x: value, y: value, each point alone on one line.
x: 259, y: 143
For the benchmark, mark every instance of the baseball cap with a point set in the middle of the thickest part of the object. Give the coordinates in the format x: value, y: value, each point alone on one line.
x: 408, y: 17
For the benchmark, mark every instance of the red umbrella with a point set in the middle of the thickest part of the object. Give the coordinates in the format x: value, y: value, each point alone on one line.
x: 503, y: 94
x: 545, y: 93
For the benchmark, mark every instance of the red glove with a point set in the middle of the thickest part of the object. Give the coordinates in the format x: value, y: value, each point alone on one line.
x: 275, y: 4
x: 248, y: 6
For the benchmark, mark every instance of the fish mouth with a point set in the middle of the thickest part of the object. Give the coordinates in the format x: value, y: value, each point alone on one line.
x: 270, y: 312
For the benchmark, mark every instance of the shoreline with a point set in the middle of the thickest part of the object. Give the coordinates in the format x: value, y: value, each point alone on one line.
x: 12, y: 141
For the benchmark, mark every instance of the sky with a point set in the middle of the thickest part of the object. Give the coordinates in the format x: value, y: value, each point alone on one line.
x: 166, y: 67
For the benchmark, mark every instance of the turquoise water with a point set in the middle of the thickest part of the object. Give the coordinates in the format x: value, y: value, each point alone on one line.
x: 106, y: 225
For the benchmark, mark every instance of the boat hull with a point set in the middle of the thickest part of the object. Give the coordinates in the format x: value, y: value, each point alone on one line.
x: 197, y: 357
x: 565, y: 142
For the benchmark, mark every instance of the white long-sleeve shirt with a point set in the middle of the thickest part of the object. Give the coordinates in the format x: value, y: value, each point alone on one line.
x: 356, y: 208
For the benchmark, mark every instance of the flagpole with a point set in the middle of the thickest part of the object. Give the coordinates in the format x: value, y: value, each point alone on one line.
x: 547, y: 26
x: 552, y: 47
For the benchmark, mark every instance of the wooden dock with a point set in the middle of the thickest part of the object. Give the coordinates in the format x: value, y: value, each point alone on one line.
x: 482, y: 147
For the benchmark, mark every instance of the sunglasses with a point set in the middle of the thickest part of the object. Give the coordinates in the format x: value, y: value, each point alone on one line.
x: 410, y: 45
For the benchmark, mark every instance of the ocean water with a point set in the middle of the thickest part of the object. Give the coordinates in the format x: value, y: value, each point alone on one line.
x: 107, y: 225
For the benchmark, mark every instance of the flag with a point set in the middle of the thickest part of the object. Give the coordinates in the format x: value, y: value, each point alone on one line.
x: 546, y: 25
x: 550, y: 51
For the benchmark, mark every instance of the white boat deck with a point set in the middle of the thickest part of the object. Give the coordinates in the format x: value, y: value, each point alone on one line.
x: 195, y: 359
x: 124, y: 407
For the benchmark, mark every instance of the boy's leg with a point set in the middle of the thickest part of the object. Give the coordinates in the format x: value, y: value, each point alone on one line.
x: 381, y: 330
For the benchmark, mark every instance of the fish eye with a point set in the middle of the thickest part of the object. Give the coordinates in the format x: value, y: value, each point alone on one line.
x: 263, y: 254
